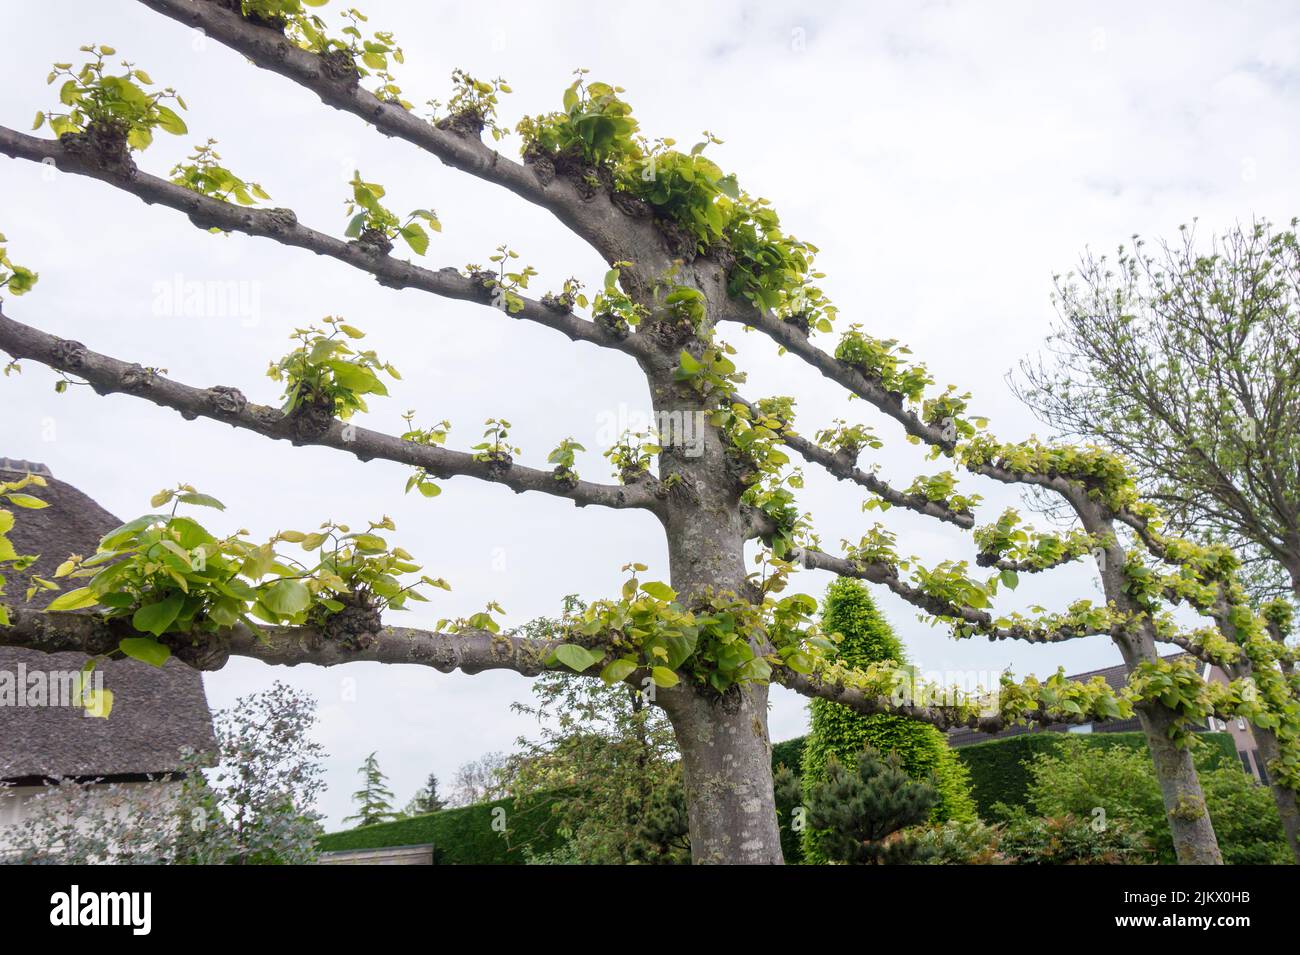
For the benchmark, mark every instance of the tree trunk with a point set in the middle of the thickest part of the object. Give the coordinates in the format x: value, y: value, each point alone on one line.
x: 726, y: 753
x: 1180, y: 787
x: 727, y: 768
x: 1189, y: 820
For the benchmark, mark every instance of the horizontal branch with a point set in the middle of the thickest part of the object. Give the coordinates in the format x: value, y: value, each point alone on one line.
x: 798, y: 342
x: 1024, y: 566
x: 282, y: 226
x: 871, y: 390
x: 470, y: 651
x: 844, y: 467
x: 879, y: 572
x: 980, y: 621
x: 109, y: 375
x: 943, y: 717
x: 592, y: 216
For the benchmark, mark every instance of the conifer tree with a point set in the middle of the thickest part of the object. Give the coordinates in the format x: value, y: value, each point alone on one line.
x: 426, y: 798
x: 840, y: 733
x: 374, y: 799
x: 860, y: 812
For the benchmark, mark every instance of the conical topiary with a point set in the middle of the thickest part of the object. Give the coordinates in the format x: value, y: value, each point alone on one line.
x: 837, y: 731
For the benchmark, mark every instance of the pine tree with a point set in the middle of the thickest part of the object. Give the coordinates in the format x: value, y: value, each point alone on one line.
x: 859, y: 813
x: 426, y: 799
x: 374, y: 799
x: 840, y: 733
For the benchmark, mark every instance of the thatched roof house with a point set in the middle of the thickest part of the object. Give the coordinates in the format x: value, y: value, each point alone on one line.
x: 157, y: 712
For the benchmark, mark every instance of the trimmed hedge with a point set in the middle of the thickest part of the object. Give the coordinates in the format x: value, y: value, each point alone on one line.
x: 790, y: 755
x: 997, y: 767
x: 462, y: 836
x: 840, y: 732
x: 465, y: 836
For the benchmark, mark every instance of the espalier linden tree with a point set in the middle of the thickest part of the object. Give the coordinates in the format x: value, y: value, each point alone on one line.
x: 689, y: 253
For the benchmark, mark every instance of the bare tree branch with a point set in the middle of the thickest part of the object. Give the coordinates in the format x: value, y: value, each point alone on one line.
x: 109, y: 375
x: 593, y: 217
x: 282, y: 226
x: 844, y: 468
x: 981, y: 621
x: 471, y: 651
x: 943, y: 717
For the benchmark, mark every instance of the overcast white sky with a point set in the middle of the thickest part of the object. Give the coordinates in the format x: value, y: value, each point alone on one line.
x: 948, y: 158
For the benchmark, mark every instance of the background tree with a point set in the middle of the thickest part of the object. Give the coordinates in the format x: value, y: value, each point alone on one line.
x: 839, y: 733
x: 860, y: 812
x: 689, y: 255
x: 252, y: 806
x: 606, y: 762
x: 1187, y: 360
x: 374, y: 799
x: 480, y: 780
x: 426, y: 798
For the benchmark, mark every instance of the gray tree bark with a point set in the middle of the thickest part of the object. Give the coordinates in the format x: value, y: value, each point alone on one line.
x: 1180, y: 788
x: 726, y: 752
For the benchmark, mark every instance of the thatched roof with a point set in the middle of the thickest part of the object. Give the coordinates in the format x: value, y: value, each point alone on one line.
x: 157, y: 712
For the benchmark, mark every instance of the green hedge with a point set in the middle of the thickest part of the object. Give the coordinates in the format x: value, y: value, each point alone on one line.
x: 790, y: 755
x: 465, y: 836
x: 998, y: 773
x: 462, y: 836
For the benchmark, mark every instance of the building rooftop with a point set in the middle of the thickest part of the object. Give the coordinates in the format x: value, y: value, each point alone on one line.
x: 158, y: 712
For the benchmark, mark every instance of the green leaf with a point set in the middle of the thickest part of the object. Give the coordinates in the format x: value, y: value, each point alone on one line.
x: 139, y: 138
x: 416, y: 237
x: 617, y: 670
x: 1010, y: 578
x: 659, y: 591
x: 98, y: 703
x: 356, y: 225
x: 664, y: 677
x: 575, y: 657
x: 369, y: 542
x: 169, y: 122
x: 119, y: 536
x: 26, y: 500
x: 356, y: 378
x: 203, y: 500
x: 145, y: 650
x: 286, y: 597
x: 155, y: 618
x: 258, y: 564
x: 74, y: 600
